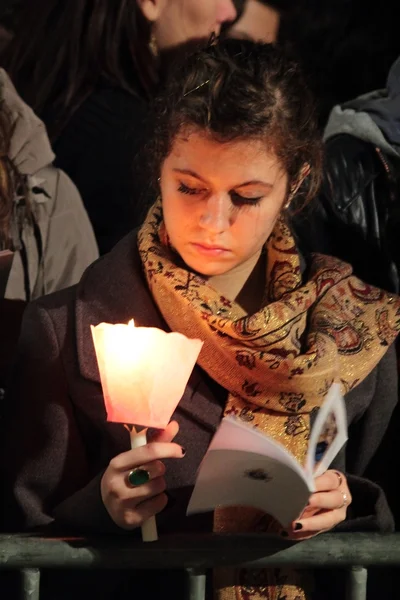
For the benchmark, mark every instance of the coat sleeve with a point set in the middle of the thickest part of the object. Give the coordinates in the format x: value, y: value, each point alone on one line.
x: 368, y: 454
x: 44, y: 466
x: 70, y: 246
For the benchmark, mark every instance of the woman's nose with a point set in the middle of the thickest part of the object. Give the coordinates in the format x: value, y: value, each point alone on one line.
x: 216, y: 214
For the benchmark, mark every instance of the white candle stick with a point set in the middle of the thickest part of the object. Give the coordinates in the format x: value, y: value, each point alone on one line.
x: 149, y: 527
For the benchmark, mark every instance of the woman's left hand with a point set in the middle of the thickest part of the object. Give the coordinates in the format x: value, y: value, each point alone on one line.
x: 327, y: 507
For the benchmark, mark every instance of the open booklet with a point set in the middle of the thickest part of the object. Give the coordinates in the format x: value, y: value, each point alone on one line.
x: 245, y: 467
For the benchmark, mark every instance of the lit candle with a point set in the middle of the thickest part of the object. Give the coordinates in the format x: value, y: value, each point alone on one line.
x: 143, y: 372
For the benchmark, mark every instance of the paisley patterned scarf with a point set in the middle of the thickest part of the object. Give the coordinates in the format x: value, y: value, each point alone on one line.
x: 278, y: 363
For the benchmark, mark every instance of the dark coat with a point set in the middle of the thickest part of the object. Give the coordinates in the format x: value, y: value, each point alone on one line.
x: 356, y: 215
x: 97, y: 149
x: 56, y: 441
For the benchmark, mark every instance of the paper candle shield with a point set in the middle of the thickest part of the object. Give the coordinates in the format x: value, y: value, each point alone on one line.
x: 143, y: 371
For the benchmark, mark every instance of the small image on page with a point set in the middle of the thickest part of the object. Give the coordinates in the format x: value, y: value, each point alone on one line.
x: 328, y: 434
x: 326, y: 438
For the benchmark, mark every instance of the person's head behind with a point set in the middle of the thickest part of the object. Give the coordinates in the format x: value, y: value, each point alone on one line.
x: 259, y: 21
x: 234, y: 135
x: 62, y: 49
x: 176, y: 22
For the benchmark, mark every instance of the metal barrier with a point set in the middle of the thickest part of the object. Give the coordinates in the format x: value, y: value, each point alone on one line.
x: 195, y: 554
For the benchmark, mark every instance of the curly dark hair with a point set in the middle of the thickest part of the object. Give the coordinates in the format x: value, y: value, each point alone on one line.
x: 11, y: 182
x: 238, y: 89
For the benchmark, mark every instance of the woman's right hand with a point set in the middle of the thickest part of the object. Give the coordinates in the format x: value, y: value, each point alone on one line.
x: 129, y: 506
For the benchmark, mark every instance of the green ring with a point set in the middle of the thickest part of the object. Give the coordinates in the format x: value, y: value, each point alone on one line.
x: 138, y: 477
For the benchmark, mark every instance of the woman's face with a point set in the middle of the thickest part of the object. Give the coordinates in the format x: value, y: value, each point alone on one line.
x: 258, y: 22
x: 220, y: 201
x: 178, y: 21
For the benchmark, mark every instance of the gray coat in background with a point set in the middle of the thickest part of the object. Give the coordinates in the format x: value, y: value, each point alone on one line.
x: 54, y: 250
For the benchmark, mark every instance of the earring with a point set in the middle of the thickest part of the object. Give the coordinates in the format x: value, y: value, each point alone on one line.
x: 153, y: 46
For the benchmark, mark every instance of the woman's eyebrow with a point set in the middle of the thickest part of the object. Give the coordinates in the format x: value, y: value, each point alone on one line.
x: 239, y: 185
x: 255, y: 182
x: 189, y: 172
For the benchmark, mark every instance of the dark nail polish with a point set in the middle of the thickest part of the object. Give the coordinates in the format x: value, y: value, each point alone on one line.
x: 298, y: 526
x: 284, y: 533
x: 183, y: 451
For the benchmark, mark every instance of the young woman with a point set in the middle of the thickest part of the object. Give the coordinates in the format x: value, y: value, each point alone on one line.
x: 88, y: 68
x: 236, y: 144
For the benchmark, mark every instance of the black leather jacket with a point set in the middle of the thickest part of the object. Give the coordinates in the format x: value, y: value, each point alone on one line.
x: 356, y: 215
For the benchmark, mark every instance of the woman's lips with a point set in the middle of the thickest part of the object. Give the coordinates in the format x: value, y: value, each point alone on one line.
x: 209, y: 250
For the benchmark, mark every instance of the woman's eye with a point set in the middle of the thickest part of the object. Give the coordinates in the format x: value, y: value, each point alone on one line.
x: 185, y: 189
x: 239, y: 200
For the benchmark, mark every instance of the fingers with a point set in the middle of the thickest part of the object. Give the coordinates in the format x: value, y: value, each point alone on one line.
x: 122, y: 501
x: 318, y: 523
x: 134, y: 496
x: 133, y: 485
x: 146, y: 454
x: 325, y: 509
x: 327, y: 500
x: 330, y: 480
x: 135, y: 516
x: 151, y: 507
x: 154, y: 469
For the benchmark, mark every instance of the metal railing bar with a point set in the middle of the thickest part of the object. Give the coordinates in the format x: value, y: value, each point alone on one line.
x: 30, y: 584
x: 199, y: 551
x: 196, y: 584
x: 357, y: 583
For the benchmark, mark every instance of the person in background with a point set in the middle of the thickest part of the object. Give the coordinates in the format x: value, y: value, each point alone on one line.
x: 236, y: 145
x: 8, y: 10
x: 356, y: 215
x: 345, y: 49
x: 42, y: 219
x: 259, y: 21
x: 88, y: 68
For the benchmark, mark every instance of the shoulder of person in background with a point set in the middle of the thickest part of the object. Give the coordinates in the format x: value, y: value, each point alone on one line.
x: 361, y: 181
x: 351, y: 215
x: 49, y: 256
